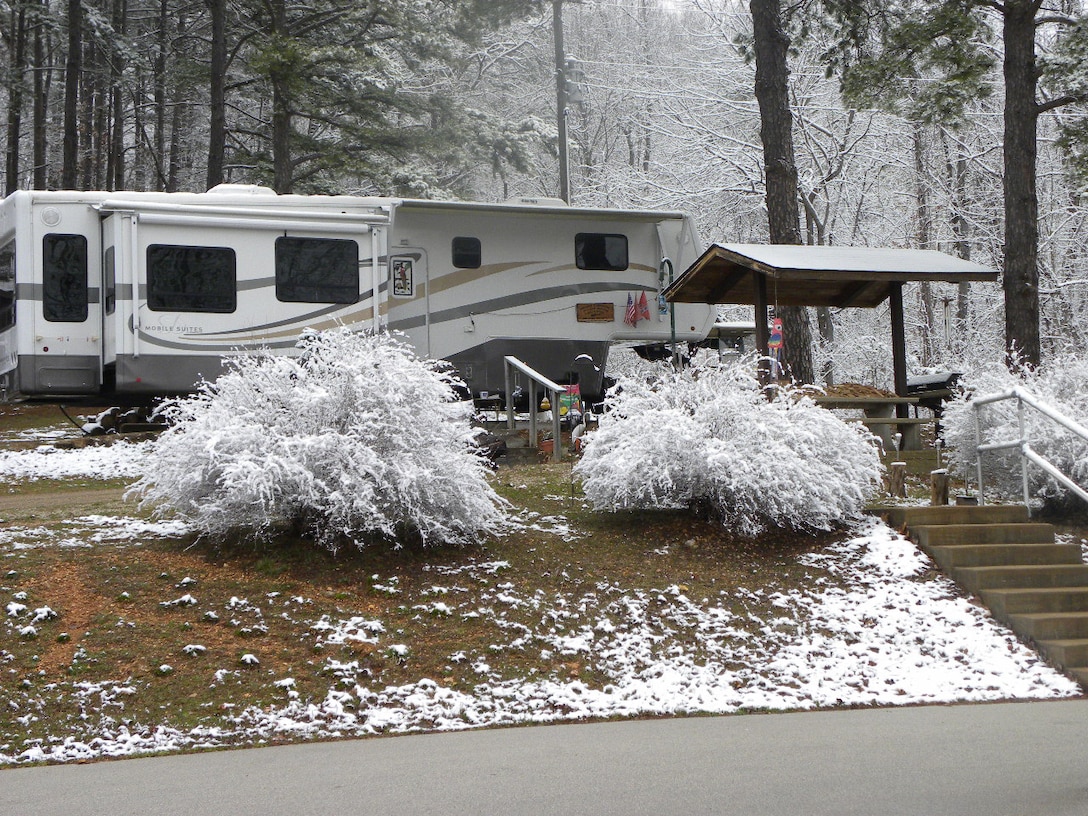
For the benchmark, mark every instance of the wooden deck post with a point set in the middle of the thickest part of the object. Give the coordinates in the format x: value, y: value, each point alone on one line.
x: 899, y: 346
x: 763, y: 336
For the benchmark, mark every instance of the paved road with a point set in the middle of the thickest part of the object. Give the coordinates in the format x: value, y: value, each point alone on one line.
x: 1027, y: 759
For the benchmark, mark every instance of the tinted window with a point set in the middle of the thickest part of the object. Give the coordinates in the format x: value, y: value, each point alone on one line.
x: 7, y: 285
x: 467, y: 253
x: 595, y: 250
x: 191, y: 279
x: 64, y: 278
x: 317, y: 270
x: 110, y: 282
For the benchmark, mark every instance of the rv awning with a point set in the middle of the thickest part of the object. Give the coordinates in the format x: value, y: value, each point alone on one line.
x: 814, y: 275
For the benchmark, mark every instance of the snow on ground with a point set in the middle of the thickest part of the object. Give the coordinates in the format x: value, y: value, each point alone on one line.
x: 117, y: 461
x: 885, y: 631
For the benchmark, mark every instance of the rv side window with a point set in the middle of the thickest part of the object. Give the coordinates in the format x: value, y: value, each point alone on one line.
x: 595, y: 250
x: 110, y: 280
x: 467, y: 253
x: 64, y: 278
x: 7, y: 286
x: 317, y: 270
x: 191, y: 279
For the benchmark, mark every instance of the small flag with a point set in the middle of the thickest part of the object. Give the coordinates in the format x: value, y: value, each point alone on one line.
x: 631, y: 316
x: 643, y: 307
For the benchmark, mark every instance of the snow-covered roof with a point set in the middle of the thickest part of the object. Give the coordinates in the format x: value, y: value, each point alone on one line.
x: 815, y: 275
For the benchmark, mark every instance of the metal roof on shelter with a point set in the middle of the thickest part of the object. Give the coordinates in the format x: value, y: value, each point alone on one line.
x: 799, y: 275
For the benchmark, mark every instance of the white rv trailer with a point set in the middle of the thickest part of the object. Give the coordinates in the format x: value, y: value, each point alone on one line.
x: 131, y: 295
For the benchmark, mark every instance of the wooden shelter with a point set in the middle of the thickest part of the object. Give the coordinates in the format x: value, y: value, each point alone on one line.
x: 789, y: 275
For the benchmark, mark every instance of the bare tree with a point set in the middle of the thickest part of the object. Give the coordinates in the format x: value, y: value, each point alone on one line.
x: 771, y: 45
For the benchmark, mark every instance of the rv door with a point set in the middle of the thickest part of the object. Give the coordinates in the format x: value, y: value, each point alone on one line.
x: 118, y: 286
x: 65, y: 318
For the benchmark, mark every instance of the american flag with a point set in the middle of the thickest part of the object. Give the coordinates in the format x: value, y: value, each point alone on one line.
x: 631, y: 317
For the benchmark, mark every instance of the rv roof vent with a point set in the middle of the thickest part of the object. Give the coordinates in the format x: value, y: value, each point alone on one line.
x: 242, y: 189
x: 526, y: 201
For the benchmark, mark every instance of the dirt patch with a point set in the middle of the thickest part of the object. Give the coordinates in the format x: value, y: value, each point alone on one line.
x: 68, y: 587
x: 75, y: 500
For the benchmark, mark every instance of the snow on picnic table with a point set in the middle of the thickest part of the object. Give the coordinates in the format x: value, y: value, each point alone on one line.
x: 886, y: 631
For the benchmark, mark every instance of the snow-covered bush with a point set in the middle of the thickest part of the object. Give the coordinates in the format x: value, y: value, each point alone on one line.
x: 707, y: 439
x: 354, y: 440
x: 1062, y: 385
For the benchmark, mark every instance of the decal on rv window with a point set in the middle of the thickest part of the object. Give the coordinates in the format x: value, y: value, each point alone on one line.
x: 401, y: 269
x: 191, y: 279
x: 64, y: 278
x: 317, y: 270
x: 603, y: 251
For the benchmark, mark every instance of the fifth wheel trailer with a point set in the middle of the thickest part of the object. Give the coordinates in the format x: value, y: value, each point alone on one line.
x: 131, y: 295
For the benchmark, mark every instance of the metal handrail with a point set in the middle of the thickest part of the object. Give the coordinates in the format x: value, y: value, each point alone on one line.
x: 1027, y: 454
x: 509, y: 365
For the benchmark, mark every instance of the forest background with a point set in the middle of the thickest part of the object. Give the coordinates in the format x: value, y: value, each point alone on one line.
x: 901, y: 115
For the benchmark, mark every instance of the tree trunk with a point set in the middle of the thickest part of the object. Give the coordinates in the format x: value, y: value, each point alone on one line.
x: 41, y: 95
x: 74, y: 65
x: 15, y: 98
x: 280, y: 78
x: 825, y: 322
x: 217, y: 133
x: 86, y: 117
x: 1021, y: 274
x: 924, y: 230
x: 771, y: 44
x: 161, y: 46
x: 115, y: 166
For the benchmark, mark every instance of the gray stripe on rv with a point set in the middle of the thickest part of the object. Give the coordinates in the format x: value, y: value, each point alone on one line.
x: 520, y: 299
x: 34, y: 291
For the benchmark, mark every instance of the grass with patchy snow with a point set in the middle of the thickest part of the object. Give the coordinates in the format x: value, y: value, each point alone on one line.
x: 121, y: 636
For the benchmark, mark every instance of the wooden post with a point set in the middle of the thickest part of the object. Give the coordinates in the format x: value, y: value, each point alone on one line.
x: 899, y: 347
x: 897, y: 478
x: 938, y: 487
x: 763, y: 335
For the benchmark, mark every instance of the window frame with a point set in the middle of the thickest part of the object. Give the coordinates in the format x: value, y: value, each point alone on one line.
x: 283, y: 286
x: 600, y: 261
x: 475, y: 253
x: 189, y: 308
x: 7, y: 285
x: 64, y: 288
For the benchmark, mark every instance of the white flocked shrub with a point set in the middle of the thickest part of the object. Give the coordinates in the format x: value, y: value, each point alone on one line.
x: 707, y: 439
x: 355, y: 440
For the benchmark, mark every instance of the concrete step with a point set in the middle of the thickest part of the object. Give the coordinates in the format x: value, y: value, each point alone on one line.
x: 1080, y: 674
x: 937, y: 535
x: 1051, y: 625
x: 1005, y: 602
x: 994, y: 555
x: 976, y: 579
x: 899, y: 517
x: 1067, y: 653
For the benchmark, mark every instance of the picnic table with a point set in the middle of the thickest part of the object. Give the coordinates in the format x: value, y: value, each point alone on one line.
x: 880, y: 416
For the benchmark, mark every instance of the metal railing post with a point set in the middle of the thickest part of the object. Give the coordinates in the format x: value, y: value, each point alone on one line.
x: 1023, y: 451
x: 556, y: 440
x: 533, y: 408
x: 978, y: 453
x: 508, y: 382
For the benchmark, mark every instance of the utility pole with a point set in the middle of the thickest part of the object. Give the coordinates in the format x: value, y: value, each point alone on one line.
x: 561, y: 99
